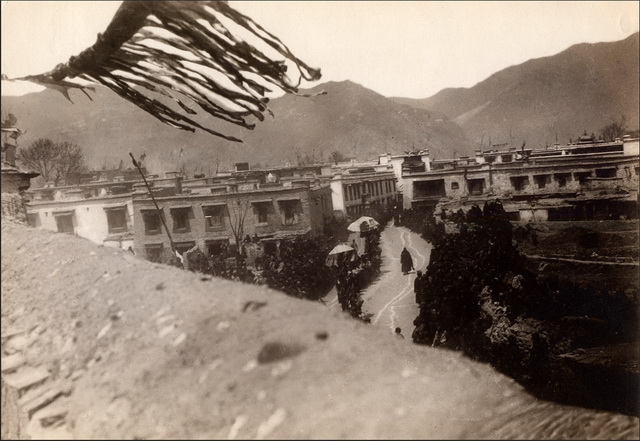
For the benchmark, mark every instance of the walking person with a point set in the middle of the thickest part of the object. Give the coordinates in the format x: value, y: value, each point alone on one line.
x: 406, y: 262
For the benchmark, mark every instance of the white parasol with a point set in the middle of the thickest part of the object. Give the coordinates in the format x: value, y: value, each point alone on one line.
x: 364, y: 223
x: 332, y: 258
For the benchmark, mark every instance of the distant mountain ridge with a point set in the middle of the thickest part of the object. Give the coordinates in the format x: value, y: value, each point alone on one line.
x: 581, y: 88
x: 348, y: 118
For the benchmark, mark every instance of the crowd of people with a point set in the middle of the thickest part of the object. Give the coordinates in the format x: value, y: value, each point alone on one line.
x: 355, y: 272
x: 480, y: 295
x: 298, y: 268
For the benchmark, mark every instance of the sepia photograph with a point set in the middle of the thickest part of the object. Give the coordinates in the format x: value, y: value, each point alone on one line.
x: 320, y: 220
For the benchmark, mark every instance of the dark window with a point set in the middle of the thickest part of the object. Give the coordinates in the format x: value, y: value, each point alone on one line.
x: 154, y: 253
x: 152, y: 222
x: 290, y: 211
x: 33, y: 219
x: 262, y: 212
x: 64, y: 222
x: 476, y: 186
x: 213, y: 217
x: 217, y: 247
x: 429, y: 188
x: 581, y: 177
x: 117, y: 220
x: 507, y: 158
x: 455, y: 186
x: 606, y: 172
x: 519, y: 182
x: 541, y: 180
x: 180, y: 219
x: 562, y: 179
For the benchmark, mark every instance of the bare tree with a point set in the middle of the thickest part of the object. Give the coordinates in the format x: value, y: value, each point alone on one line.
x: 337, y: 156
x: 71, y: 161
x: 55, y: 162
x: 238, y: 210
x: 613, y: 130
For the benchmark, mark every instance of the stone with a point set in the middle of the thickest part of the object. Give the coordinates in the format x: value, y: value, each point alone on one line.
x: 104, y: 331
x: 237, y: 425
x: 52, y: 413
x: 222, y: 326
x: 68, y: 345
x: 162, y: 311
x: 275, y: 351
x: 118, y: 411
x: 38, y: 330
x: 20, y: 312
x: 270, y: 425
x: 281, y: 368
x: 181, y: 338
x: 164, y: 318
x: 12, y: 333
x: 253, y: 306
x: 166, y: 331
x: 251, y: 365
x: 77, y: 374
x: 18, y: 343
x: 27, y: 377
x: 37, y: 399
x: 12, y: 362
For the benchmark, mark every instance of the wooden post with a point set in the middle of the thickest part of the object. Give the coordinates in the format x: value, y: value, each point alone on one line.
x: 137, y: 165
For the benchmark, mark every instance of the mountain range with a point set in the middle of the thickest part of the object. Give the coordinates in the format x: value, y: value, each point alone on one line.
x: 345, y: 117
x: 558, y: 97
x: 582, y: 88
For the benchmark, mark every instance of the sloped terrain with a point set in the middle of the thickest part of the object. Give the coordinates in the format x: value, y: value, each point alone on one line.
x: 347, y: 118
x: 582, y: 88
x: 130, y: 349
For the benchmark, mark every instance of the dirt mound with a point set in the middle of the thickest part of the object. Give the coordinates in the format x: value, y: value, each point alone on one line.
x: 133, y: 349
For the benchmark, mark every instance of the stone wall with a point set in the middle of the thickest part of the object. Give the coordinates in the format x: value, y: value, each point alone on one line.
x: 13, y: 207
x: 235, y: 205
x: 97, y: 343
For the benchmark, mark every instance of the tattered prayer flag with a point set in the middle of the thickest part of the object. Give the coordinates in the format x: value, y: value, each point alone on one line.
x: 197, y: 54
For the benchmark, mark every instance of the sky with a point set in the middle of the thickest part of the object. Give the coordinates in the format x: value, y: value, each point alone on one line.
x: 401, y: 49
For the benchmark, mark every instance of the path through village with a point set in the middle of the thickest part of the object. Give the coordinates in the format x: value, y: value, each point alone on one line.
x: 390, y: 298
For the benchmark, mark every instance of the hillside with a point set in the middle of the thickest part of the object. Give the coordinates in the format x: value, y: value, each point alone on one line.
x: 581, y: 88
x: 349, y: 118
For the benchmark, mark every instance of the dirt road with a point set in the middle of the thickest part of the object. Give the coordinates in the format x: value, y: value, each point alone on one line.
x: 390, y: 298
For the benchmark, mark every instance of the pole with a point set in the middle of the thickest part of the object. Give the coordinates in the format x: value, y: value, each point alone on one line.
x: 137, y: 165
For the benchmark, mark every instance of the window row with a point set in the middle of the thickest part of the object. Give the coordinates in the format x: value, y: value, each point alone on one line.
x: 66, y: 222
x: 376, y: 188
x: 519, y: 183
x: 217, y: 217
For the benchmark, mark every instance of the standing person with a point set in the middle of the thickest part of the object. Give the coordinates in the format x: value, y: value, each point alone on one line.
x: 418, y: 287
x: 406, y: 262
x: 399, y: 333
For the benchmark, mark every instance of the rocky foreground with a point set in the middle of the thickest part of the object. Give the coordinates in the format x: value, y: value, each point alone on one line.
x: 97, y: 343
